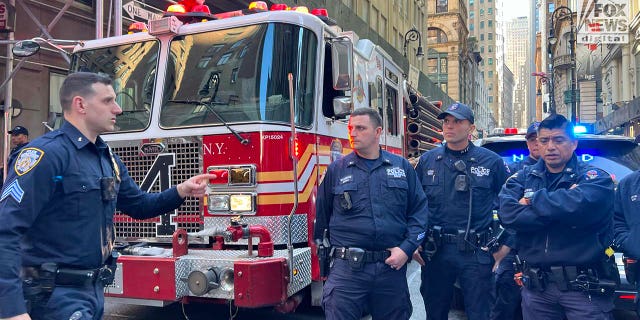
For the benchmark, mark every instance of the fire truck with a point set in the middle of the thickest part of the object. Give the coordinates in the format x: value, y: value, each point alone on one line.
x: 260, y: 97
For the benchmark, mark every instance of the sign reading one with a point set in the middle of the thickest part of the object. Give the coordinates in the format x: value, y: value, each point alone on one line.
x: 137, y: 10
x: 603, y: 21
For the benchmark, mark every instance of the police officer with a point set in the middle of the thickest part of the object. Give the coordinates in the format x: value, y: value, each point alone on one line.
x: 561, y: 210
x: 19, y: 139
x: 461, y: 182
x: 532, y: 144
x: 626, y: 219
x: 374, y: 213
x: 507, y: 292
x: 57, y: 209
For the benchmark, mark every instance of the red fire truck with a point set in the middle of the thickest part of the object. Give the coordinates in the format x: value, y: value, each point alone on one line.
x: 259, y: 97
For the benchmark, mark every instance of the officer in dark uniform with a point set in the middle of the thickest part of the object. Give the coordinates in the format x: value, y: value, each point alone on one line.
x: 626, y: 220
x: 19, y: 139
x: 56, y: 235
x: 534, y: 150
x: 461, y: 182
x: 372, y: 210
x: 561, y: 210
x: 507, y: 292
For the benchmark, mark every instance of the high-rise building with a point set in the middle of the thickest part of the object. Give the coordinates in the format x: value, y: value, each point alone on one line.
x: 516, y: 51
x: 483, y: 25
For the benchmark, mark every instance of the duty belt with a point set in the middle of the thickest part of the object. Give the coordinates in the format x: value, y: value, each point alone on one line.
x: 368, y: 257
x: 70, y: 277
x: 447, y: 236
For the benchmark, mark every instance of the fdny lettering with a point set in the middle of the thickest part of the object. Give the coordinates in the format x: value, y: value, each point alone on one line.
x: 396, y: 172
x: 346, y: 179
x: 160, y: 171
x: 27, y: 160
x: 13, y: 190
x: 480, y: 171
x: 213, y: 148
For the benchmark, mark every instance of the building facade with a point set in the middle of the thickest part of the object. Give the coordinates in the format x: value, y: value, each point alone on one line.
x: 484, y: 26
x: 516, y: 52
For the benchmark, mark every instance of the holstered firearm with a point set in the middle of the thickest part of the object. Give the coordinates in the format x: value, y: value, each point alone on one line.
x: 430, y: 245
x: 324, y: 254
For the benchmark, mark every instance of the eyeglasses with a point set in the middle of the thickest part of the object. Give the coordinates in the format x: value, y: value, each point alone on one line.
x: 557, y: 140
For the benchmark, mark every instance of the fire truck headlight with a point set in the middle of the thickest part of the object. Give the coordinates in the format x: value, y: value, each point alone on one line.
x: 219, y: 202
x: 226, y: 279
x: 241, y: 202
x: 242, y: 175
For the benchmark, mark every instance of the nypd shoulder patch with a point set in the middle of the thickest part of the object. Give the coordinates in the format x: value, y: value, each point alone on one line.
x: 13, y: 190
x: 592, y: 174
x: 27, y: 160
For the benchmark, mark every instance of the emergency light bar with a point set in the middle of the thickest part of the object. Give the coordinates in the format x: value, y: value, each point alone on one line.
x: 186, y: 12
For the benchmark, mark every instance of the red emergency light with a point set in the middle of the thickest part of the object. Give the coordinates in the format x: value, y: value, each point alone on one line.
x: 137, y: 27
x: 222, y: 176
x: 511, y: 131
x: 321, y: 12
x: 279, y: 7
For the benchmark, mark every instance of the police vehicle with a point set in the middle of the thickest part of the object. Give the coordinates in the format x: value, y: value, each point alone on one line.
x: 618, y: 155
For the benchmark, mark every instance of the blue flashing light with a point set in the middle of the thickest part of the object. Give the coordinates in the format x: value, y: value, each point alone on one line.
x: 579, y: 129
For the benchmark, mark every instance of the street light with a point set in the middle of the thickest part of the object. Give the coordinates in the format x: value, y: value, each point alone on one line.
x: 544, y: 79
x: 412, y: 35
x: 565, y: 12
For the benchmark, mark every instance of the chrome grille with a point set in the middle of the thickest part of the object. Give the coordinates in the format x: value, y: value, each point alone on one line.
x: 187, y: 164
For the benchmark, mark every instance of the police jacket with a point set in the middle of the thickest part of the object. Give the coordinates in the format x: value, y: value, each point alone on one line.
x: 14, y: 152
x: 517, y: 166
x: 52, y: 209
x: 449, y: 208
x: 562, y: 225
x: 386, y: 208
x: 626, y: 215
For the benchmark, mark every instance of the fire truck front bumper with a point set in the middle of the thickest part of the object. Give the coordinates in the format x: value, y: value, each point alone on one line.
x: 203, y: 275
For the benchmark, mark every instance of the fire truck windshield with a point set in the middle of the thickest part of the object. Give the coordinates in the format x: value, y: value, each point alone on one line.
x: 132, y: 66
x: 242, y: 73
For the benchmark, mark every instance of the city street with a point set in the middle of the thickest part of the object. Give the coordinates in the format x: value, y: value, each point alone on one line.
x: 115, y: 311
x: 209, y: 312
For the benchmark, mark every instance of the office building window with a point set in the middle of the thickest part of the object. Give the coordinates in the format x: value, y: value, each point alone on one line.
x: 490, y: 61
x: 435, y: 35
x: 481, y: 24
x: 489, y: 23
x: 490, y: 74
x: 490, y: 11
x: 481, y: 12
x: 490, y: 99
x: 471, y: 26
x: 482, y: 49
x: 442, y: 6
x: 490, y: 36
x: 482, y: 37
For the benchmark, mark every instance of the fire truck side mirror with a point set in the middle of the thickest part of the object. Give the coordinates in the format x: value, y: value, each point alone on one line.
x: 341, y: 107
x: 25, y: 48
x: 342, y: 63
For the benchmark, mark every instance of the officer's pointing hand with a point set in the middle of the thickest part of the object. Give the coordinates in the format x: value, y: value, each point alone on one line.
x: 397, y: 259
x: 195, y: 186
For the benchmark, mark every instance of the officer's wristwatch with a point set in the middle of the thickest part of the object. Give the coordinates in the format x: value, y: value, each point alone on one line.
x: 528, y: 195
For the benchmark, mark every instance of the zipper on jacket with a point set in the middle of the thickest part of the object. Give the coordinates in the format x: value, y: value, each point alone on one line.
x: 546, y: 244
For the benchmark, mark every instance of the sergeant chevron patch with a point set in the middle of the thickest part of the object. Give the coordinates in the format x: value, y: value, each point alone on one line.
x: 14, y: 190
